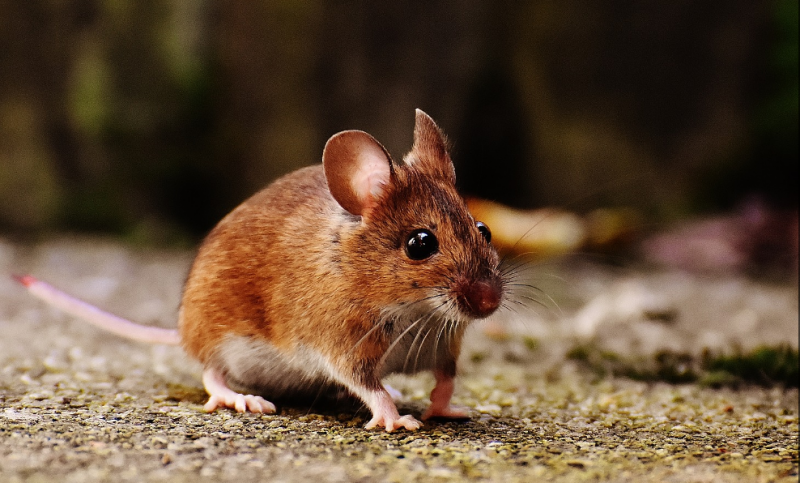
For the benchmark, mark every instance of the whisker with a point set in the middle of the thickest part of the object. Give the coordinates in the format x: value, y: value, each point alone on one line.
x: 430, y: 287
x: 525, y: 306
x: 419, y: 348
x: 396, y: 341
x: 377, y: 326
x: 516, y: 268
x: 427, y: 320
x: 526, y: 285
x: 532, y: 299
x: 439, y: 336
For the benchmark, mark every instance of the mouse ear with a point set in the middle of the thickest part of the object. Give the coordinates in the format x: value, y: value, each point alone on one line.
x: 429, y: 153
x: 357, y: 168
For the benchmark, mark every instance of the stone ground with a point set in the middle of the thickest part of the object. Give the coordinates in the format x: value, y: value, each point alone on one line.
x: 80, y: 405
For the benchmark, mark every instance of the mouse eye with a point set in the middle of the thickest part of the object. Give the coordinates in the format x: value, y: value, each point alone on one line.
x: 421, y: 244
x: 484, y: 230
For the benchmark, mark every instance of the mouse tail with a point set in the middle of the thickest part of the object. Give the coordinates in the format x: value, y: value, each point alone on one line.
x: 96, y: 316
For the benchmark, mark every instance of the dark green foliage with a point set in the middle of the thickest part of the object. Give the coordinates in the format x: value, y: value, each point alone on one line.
x: 153, y: 118
x: 764, y: 366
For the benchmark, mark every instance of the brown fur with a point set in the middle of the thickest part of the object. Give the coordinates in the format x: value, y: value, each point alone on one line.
x: 292, y: 268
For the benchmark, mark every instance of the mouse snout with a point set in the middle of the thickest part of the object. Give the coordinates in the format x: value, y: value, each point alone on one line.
x: 479, y: 298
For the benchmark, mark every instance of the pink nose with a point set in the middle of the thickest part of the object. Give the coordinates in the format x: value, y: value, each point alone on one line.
x: 480, y: 299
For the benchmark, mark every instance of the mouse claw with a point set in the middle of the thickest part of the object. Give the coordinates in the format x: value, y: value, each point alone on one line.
x: 384, y: 413
x: 221, y: 396
x: 407, y: 422
x: 213, y: 403
x: 257, y: 404
x: 241, y: 403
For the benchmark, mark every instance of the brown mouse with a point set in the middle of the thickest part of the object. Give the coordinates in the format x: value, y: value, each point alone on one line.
x: 334, y: 276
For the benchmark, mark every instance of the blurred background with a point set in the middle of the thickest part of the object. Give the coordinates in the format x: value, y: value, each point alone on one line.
x: 150, y: 120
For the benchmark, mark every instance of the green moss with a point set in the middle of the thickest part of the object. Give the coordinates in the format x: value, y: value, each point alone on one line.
x: 477, y: 357
x: 580, y: 353
x: 764, y: 366
x: 531, y: 343
x: 719, y: 379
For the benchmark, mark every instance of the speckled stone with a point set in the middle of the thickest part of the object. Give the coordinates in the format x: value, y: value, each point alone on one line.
x: 77, y: 405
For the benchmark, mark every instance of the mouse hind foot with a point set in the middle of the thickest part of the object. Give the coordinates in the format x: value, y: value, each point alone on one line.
x: 221, y: 396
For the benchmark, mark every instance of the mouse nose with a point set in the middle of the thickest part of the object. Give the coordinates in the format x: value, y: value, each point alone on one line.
x: 480, y: 298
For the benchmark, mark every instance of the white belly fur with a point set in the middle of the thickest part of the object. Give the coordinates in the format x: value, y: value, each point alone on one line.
x: 256, y: 366
x: 252, y: 365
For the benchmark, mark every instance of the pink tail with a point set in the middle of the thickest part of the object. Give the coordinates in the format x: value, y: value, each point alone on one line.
x: 100, y: 318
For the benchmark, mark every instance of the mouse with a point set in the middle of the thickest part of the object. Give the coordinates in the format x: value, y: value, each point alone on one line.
x: 331, y: 278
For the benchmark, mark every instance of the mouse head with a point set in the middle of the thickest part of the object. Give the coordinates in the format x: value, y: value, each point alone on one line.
x: 415, y: 244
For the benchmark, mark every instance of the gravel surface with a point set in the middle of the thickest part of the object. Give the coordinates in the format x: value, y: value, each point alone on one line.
x: 77, y: 404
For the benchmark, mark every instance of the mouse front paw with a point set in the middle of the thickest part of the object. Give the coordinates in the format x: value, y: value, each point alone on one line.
x: 242, y: 403
x: 391, y: 423
x: 384, y: 412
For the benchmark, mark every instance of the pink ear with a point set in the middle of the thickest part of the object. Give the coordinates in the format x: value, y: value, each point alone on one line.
x: 357, y: 168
